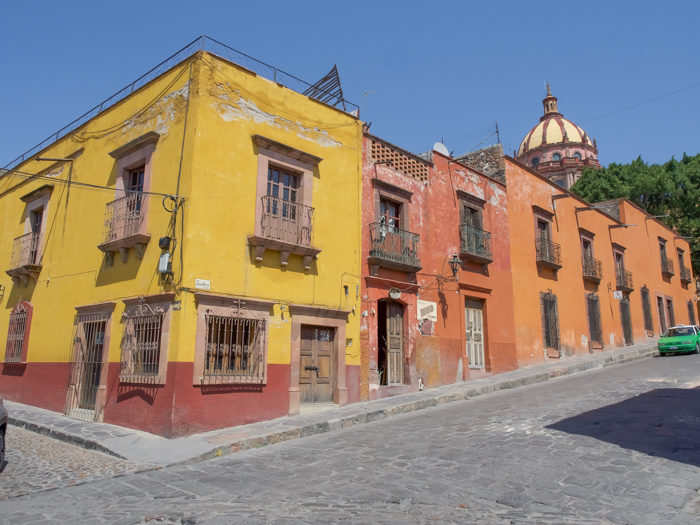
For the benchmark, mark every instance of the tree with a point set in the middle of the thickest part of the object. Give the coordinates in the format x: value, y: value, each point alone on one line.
x: 670, y: 189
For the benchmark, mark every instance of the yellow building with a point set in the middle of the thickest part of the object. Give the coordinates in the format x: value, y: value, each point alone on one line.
x: 186, y: 256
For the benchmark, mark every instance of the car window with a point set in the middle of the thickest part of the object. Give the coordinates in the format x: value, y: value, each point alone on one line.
x: 678, y: 332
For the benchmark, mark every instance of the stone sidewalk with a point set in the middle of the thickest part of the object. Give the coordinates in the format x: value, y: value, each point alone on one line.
x: 142, y: 447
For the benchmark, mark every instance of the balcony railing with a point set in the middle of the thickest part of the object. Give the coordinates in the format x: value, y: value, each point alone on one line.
x: 395, y: 248
x: 666, y: 265
x: 287, y: 222
x: 592, y: 269
x: 548, y: 253
x: 686, y: 276
x: 123, y: 217
x: 623, y: 279
x: 476, y: 243
x: 25, y: 250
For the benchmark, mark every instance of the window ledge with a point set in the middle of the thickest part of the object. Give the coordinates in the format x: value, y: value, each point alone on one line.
x: 14, y: 363
x: 285, y: 248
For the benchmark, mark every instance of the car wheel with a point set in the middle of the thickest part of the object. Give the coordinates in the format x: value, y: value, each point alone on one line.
x: 2, y: 449
x: 697, y: 348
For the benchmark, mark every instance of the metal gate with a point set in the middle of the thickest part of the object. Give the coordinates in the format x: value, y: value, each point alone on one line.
x: 475, y: 333
x: 86, y: 366
x: 626, y: 318
x: 594, y: 323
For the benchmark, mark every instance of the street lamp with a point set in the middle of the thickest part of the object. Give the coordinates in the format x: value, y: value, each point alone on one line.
x: 454, y: 263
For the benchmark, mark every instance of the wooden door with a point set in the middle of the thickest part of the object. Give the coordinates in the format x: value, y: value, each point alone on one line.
x: 474, y: 333
x: 316, y: 364
x: 394, y: 337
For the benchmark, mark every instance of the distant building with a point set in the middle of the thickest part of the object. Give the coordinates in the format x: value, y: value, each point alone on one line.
x: 556, y: 147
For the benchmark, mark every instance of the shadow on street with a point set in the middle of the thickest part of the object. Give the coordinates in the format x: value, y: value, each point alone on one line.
x: 663, y: 423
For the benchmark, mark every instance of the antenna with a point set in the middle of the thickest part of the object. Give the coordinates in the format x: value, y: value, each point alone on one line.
x: 498, y: 135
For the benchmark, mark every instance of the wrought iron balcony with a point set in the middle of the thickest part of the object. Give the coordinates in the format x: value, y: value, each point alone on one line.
x: 391, y: 247
x: 288, y: 222
x: 592, y: 269
x: 124, y: 227
x: 623, y: 280
x: 548, y: 254
x: 287, y: 227
x: 666, y: 265
x: 686, y: 275
x: 24, y: 262
x: 475, y: 245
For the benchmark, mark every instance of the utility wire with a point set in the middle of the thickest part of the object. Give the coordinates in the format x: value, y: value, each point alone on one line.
x: 74, y: 183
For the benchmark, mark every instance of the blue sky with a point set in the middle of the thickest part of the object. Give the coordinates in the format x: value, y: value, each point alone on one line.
x: 432, y: 70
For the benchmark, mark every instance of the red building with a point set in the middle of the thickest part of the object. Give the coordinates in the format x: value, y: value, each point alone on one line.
x: 437, y: 299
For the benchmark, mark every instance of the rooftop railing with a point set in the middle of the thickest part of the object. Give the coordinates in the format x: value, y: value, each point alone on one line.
x: 287, y: 221
x: 123, y: 217
x: 390, y: 244
x: 203, y: 43
x: 25, y: 250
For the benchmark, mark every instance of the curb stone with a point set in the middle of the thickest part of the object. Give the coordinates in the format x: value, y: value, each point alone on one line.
x: 464, y: 392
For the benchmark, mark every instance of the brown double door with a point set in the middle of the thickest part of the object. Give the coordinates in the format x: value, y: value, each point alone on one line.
x: 316, y: 364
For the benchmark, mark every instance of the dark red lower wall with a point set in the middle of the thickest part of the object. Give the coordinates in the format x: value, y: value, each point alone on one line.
x: 41, y: 385
x: 178, y: 408
x: 352, y: 383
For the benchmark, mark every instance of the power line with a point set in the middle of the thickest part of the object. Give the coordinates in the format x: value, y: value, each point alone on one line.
x: 74, y: 183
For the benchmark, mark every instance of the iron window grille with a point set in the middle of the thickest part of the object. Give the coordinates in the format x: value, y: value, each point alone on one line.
x: 646, y: 307
x: 594, y: 320
x: 691, y: 312
x: 235, y: 351
x: 550, y: 320
x: 141, y: 344
x: 87, y: 356
x: 16, y: 333
x: 626, y: 318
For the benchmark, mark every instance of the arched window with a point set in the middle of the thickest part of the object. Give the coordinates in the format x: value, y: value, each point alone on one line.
x: 18, y: 333
x: 577, y: 155
x: 535, y: 161
x: 556, y: 157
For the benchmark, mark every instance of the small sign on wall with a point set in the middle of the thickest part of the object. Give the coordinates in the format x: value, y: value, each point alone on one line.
x: 202, y: 284
x: 617, y: 294
x: 427, y: 311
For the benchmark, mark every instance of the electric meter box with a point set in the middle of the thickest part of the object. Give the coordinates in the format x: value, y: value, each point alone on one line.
x: 164, y: 265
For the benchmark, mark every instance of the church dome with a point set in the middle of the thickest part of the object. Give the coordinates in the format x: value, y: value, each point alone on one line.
x: 553, y: 128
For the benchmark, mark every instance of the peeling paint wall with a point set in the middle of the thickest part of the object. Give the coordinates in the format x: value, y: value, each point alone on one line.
x: 439, y: 358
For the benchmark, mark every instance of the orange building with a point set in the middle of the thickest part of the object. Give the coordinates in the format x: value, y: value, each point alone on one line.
x: 590, y: 277
x: 437, y: 304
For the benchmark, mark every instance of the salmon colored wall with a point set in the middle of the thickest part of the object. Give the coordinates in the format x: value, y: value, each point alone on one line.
x: 526, y: 189
x: 438, y: 358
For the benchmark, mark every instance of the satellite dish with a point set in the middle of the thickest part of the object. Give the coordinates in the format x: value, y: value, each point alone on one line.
x: 440, y: 148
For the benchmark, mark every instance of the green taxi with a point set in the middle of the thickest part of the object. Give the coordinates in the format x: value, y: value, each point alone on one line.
x: 680, y: 339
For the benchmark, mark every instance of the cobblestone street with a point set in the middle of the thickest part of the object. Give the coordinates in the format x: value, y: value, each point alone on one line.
x: 36, y: 462
x: 619, y: 445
